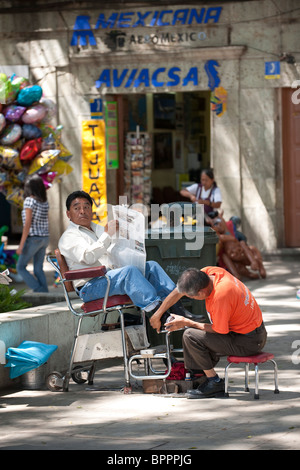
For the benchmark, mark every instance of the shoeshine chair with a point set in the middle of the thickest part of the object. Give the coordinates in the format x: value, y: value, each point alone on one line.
x: 256, y: 360
x: 120, y: 303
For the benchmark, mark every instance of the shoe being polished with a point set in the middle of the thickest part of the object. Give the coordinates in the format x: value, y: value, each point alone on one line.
x: 198, y: 318
x: 209, y: 389
x: 165, y: 318
x: 179, y: 309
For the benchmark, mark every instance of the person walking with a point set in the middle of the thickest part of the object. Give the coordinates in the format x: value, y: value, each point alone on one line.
x: 35, y: 234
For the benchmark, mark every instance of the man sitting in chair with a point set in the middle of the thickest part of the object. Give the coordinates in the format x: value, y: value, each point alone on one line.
x: 85, y: 244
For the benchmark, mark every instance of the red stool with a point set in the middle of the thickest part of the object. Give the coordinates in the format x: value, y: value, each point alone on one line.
x: 256, y: 360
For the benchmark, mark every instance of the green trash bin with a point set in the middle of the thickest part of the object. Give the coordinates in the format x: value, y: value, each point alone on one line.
x: 174, y: 254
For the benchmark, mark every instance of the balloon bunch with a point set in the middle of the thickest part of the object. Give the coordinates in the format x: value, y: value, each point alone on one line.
x: 28, y: 143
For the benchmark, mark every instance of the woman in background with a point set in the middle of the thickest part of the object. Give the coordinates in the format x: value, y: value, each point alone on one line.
x: 206, y: 192
x: 35, y: 235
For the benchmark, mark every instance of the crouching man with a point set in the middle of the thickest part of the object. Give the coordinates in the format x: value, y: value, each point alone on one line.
x: 236, y: 326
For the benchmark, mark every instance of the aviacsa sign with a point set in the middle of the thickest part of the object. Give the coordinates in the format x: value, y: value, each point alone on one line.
x: 157, y: 78
x: 83, y: 33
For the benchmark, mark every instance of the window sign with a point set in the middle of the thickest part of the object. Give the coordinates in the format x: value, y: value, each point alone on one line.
x: 93, y: 165
x: 111, y: 135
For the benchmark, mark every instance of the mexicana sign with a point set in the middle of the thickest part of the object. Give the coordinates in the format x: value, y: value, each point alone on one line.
x: 83, y: 33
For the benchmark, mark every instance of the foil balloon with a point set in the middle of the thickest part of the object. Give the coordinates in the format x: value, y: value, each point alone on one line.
x: 21, y: 176
x: 11, y: 134
x: 48, y: 178
x: 65, y: 154
x: 2, y: 122
x: 3, y: 178
x: 6, y: 91
x: 10, y: 158
x: 43, y: 162
x: 48, y: 142
x: 16, y: 197
x: 29, y: 95
x: 18, y: 83
x: 50, y: 109
x: 8, y: 152
x: 19, y: 144
x: 62, y: 168
x: 30, y: 131
x: 30, y: 149
x: 13, y: 112
x: 34, y: 114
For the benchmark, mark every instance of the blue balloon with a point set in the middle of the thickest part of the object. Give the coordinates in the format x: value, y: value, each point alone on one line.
x: 29, y: 95
x: 30, y: 131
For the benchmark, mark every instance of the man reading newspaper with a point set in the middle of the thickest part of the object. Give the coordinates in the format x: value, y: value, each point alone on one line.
x: 86, y: 244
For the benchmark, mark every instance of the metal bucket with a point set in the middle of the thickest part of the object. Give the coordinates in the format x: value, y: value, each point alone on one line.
x: 34, y: 379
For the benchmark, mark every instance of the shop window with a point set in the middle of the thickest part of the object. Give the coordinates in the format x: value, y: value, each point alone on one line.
x: 164, y: 111
x: 162, y: 150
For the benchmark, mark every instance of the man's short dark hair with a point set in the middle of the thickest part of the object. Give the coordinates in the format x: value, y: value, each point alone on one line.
x: 78, y: 194
x: 191, y: 281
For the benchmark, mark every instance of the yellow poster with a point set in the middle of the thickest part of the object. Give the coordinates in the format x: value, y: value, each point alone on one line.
x: 94, y: 166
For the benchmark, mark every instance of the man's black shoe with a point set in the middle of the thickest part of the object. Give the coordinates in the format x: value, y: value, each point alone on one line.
x: 198, y: 318
x: 179, y: 309
x: 208, y: 389
x: 165, y: 318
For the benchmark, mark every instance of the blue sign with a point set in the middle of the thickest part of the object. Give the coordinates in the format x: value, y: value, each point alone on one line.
x: 83, y: 34
x: 135, y: 78
x: 96, y: 107
x: 158, y: 78
x: 272, y: 69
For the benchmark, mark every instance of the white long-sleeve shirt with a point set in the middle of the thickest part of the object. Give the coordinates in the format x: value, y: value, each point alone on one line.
x: 83, y: 248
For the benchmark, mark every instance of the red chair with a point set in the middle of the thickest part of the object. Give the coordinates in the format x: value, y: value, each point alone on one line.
x: 116, y: 303
x: 256, y: 360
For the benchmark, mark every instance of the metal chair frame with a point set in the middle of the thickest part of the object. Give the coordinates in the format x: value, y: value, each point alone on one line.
x: 55, y: 380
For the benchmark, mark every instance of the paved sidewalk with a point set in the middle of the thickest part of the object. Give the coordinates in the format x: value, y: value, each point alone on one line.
x: 106, y: 419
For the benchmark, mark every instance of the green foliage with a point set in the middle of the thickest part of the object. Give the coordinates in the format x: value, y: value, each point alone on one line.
x: 10, y: 299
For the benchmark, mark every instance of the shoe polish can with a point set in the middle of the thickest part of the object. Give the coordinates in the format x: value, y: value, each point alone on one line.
x: 188, y: 381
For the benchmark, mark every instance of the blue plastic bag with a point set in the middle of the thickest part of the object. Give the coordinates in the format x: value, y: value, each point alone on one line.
x: 28, y: 356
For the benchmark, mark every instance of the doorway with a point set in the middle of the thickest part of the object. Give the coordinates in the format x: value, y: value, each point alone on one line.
x: 291, y: 167
x: 179, y: 126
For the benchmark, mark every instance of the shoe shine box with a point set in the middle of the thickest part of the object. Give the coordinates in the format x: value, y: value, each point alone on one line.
x: 164, y: 386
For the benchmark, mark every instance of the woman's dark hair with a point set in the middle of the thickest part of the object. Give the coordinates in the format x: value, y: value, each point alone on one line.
x: 210, y: 173
x: 78, y: 194
x: 34, y: 186
x: 191, y: 281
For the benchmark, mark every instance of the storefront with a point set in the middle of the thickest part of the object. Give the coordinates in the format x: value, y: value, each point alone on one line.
x: 198, y: 85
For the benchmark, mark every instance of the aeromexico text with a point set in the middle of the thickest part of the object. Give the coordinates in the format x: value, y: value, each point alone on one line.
x: 167, y: 221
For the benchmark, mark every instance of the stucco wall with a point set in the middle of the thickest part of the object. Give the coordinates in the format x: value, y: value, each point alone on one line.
x: 246, y: 146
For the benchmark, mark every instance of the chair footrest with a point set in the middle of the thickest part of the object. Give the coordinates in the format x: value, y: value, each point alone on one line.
x: 148, y: 353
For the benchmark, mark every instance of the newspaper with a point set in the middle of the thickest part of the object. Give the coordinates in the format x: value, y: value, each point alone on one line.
x: 128, y: 247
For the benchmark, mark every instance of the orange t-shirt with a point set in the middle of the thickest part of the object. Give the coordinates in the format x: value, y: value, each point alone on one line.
x: 231, y: 306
